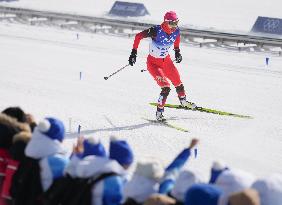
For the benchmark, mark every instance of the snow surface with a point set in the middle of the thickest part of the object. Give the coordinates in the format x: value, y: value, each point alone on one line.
x: 236, y: 16
x: 40, y: 70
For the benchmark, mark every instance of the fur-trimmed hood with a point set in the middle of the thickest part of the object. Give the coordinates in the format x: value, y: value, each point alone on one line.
x: 9, y: 127
x: 23, y: 136
x: 12, y: 122
x: 20, y: 141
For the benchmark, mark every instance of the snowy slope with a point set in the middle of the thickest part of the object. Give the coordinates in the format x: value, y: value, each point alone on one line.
x: 40, y: 72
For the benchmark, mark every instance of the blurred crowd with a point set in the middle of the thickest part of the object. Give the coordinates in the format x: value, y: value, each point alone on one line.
x: 35, y: 169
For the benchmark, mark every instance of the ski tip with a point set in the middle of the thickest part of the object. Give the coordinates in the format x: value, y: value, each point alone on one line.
x: 244, y: 116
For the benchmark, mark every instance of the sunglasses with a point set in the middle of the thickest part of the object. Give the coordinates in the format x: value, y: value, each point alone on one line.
x: 173, y: 23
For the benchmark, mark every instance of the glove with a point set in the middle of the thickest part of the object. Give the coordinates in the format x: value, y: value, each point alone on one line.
x: 178, y: 56
x: 132, y: 57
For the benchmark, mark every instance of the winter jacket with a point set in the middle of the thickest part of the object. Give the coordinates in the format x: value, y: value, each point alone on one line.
x: 11, y: 131
x: 231, y: 181
x: 183, y: 182
x: 161, y: 40
x: 108, y: 191
x: 141, y: 186
x: 16, y: 156
x: 173, y: 171
x: 51, y: 155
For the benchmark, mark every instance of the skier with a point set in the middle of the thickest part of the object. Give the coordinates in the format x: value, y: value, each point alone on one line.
x: 159, y: 63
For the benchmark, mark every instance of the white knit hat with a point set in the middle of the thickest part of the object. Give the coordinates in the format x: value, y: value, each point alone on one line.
x: 231, y: 181
x: 270, y: 189
x: 150, y: 169
x: 183, y: 182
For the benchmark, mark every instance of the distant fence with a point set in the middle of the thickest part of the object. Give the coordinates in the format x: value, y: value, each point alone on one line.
x: 127, y: 26
x: 268, y: 25
x: 125, y: 9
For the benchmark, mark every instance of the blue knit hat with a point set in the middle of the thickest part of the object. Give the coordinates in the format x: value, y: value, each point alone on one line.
x: 121, y: 151
x: 202, y: 194
x: 92, y: 146
x: 53, y: 128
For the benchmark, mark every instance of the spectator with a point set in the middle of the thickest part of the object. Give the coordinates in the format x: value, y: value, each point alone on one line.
x: 44, y: 162
x: 159, y: 199
x: 20, y: 116
x: 144, y: 182
x: 269, y: 189
x: 173, y: 170
x: 185, y: 180
x: 82, y: 149
x: 231, y: 186
x: 109, y: 190
x: 246, y: 197
x: 9, y: 126
x: 148, y: 179
x: 46, y: 145
x: 93, y: 146
x: 11, y: 132
x: 231, y: 181
x: 15, y: 112
x: 217, y: 168
x: 121, y: 152
x: 203, y: 194
x: 16, y: 151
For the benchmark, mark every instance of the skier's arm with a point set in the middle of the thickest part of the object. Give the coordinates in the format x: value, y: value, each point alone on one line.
x: 177, y: 42
x: 151, y: 32
x: 178, y: 56
x: 173, y: 170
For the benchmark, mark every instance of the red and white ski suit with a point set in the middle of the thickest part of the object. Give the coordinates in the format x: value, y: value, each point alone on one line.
x: 159, y: 63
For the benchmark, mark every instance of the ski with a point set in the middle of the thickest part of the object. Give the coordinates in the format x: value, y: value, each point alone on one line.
x: 167, y: 124
x: 202, y: 109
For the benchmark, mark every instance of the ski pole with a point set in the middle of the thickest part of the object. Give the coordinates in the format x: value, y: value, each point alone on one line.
x: 107, y: 77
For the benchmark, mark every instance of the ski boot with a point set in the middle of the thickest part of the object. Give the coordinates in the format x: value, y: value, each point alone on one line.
x: 159, y: 115
x: 187, y: 104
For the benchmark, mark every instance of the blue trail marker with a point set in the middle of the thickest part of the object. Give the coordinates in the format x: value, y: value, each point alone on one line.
x: 78, y: 129
x: 267, y: 60
x: 196, y: 152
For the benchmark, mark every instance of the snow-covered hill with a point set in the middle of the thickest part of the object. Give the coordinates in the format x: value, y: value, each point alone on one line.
x: 40, y: 70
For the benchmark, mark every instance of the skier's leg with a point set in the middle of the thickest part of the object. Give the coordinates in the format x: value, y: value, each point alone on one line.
x: 180, y: 91
x: 155, y: 69
x: 182, y: 97
x: 161, y: 102
x: 173, y: 75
